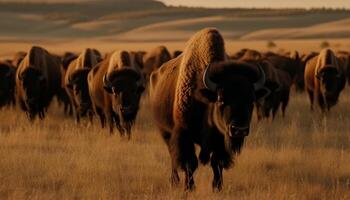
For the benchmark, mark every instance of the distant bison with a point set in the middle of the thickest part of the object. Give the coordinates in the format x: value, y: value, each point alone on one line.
x: 38, y: 80
x: 198, y: 98
x: 324, y: 80
x: 344, y: 61
x: 75, y: 82
x: 288, y: 69
x: 153, y: 59
x: 7, y: 84
x: 115, y: 87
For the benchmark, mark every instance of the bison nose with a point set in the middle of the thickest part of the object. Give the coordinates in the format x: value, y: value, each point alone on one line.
x: 238, y: 131
x: 126, y: 109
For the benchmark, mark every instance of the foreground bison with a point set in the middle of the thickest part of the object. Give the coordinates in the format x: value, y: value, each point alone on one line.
x: 197, y: 98
x: 75, y: 82
x: 115, y: 87
x: 7, y: 84
x: 38, y: 80
x: 324, y: 80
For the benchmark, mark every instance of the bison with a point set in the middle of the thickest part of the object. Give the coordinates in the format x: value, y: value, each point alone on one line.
x: 198, y: 98
x: 344, y: 61
x: 38, y: 80
x: 324, y: 80
x: 115, y: 87
x: 7, y: 84
x: 153, y: 59
x: 75, y: 82
x: 288, y: 69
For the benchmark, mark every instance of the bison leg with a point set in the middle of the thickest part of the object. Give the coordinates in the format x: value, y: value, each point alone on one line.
x: 285, y: 101
x: 102, y: 117
x: 217, y: 171
x: 41, y: 114
x: 184, y: 150
x: 174, y: 178
x: 321, y: 103
x: 119, y: 126
x: 110, y: 121
x: 311, y: 97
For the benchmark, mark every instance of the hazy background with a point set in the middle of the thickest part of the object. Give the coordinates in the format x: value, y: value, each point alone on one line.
x: 262, y: 3
x: 232, y: 3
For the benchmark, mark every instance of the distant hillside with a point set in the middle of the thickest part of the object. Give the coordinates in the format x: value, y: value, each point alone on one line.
x: 147, y: 20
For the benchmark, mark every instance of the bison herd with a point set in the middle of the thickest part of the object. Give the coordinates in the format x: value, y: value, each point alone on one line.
x: 200, y: 95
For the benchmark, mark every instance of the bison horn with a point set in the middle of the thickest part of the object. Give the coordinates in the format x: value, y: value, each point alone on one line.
x: 106, y: 82
x: 209, y: 84
x: 260, y: 83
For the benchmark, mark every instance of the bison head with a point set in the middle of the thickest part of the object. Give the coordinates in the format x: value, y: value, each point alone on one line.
x: 34, y: 85
x: 7, y: 77
x: 125, y: 86
x: 78, y: 84
x: 330, y: 80
x: 234, y: 87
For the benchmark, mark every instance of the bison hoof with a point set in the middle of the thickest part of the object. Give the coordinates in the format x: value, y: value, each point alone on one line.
x: 217, y: 185
x: 174, y: 180
x: 190, y: 187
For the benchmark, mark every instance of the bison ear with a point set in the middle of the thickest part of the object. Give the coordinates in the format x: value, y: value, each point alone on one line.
x: 262, y: 93
x: 209, y: 95
x: 108, y: 89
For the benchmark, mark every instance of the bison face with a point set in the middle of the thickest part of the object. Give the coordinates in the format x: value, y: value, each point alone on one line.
x: 6, y: 86
x: 34, y: 86
x: 126, y: 89
x: 79, y: 86
x: 329, y: 79
x: 234, y: 87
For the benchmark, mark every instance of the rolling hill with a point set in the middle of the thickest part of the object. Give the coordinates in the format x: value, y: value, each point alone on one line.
x: 147, y: 20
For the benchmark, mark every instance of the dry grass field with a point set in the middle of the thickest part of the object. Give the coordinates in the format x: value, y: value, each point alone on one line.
x: 302, y: 156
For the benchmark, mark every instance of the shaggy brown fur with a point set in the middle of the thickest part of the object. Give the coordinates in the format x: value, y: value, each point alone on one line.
x: 115, y: 87
x: 324, y: 79
x: 38, y: 79
x: 185, y: 112
x: 75, y: 82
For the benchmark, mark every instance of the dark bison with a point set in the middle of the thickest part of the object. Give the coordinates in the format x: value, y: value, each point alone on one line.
x: 38, y: 80
x: 63, y: 97
x: 75, y: 82
x: 7, y: 84
x: 344, y: 61
x: 271, y: 102
x: 197, y: 98
x: 324, y: 80
x: 115, y: 87
x: 288, y: 69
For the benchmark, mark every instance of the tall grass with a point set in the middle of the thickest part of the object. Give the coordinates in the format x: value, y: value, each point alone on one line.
x: 303, y: 156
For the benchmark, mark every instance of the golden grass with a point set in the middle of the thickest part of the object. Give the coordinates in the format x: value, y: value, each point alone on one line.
x: 300, y: 157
